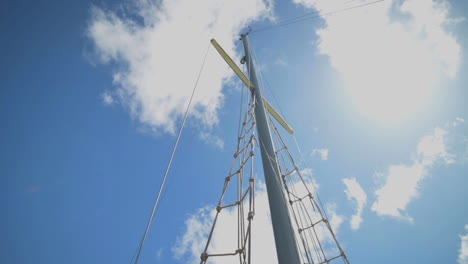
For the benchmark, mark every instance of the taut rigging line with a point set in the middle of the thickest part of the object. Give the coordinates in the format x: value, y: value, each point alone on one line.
x: 309, y: 16
x: 161, y: 188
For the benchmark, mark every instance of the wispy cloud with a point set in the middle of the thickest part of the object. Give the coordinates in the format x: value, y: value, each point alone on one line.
x: 335, y: 219
x: 159, y: 254
x: 156, y: 49
x: 107, y: 98
x: 280, y: 62
x: 458, y: 121
x: 355, y: 192
x: 323, y: 153
x: 307, y: 171
x: 212, y: 139
x: 463, y: 252
x: 389, y: 53
x: 401, y: 186
x: 432, y: 147
x: 191, y: 242
x: 401, y: 182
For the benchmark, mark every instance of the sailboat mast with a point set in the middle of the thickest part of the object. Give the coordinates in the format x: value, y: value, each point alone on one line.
x: 286, y: 247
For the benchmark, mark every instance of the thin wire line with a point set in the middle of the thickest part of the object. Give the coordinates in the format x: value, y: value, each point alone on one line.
x: 156, y: 203
x: 173, y: 175
x: 307, y: 17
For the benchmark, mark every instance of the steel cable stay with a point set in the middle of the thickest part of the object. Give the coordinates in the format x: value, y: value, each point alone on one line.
x: 168, y: 168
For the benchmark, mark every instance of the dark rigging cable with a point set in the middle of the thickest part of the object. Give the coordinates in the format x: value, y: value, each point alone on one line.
x: 309, y: 16
x: 156, y: 203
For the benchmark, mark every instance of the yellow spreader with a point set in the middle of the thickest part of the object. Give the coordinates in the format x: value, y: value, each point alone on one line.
x: 247, y: 82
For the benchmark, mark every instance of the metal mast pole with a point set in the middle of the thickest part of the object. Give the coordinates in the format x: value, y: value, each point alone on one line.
x: 286, y: 247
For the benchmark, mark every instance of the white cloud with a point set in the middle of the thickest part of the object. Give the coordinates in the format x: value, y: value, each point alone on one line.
x: 307, y: 171
x: 400, y: 188
x: 390, y: 54
x: 458, y: 121
x: 323, y: 153
x: 355, y: 192
x: 159, y: 253
x: 463, y: 252
x: 432, y: 147
x: 212, y: 139
x: 280, y: 62
x: 197, y: 228
x: 157, y: 50
x: 107, y: 98
x: 402, y: 181
x: 335, y: 219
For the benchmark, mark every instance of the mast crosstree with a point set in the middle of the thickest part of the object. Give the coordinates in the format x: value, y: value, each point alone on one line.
x: 301, y: 229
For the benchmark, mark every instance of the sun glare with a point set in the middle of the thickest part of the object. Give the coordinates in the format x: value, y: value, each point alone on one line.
x: 391, y: 95
x: 390, y: 80
x: 390, y: 66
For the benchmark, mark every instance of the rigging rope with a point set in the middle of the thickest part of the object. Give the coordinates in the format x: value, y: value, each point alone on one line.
x: 311, y: 227
x: 309, y: 16
x: 161, y: 187
x: 244, y: 155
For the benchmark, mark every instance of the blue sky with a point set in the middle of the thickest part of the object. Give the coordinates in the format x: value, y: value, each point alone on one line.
x: 92, y: 94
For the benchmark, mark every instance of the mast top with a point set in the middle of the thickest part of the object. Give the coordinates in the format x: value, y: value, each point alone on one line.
x: 246, y: 33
